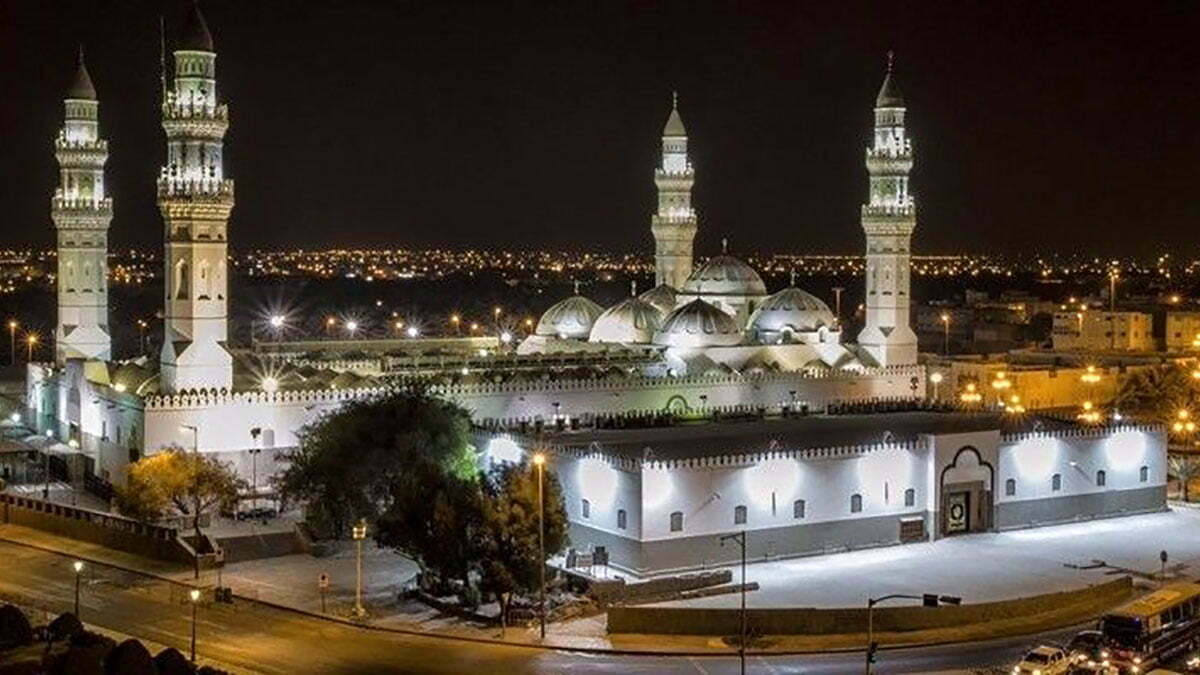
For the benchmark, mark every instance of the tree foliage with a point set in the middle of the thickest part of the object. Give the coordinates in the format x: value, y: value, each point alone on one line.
x: 509, y: 560
x: 1184, y: 469
x: 357, y: 460
x: 177, y: 482
x: 1156, y: 394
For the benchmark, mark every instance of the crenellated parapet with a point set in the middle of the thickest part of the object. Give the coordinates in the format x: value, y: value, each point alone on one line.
x: 1089, y: 432
x: 209, y: 398
x: 732, y: 460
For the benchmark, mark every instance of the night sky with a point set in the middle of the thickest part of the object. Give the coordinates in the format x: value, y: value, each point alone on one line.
x: 1047, y: 126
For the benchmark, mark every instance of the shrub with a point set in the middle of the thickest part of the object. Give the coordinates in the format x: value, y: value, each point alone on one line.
x: 15, y: 630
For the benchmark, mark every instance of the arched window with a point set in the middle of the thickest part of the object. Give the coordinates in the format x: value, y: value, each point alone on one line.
x: 587, y: 509
x: 622, y: 519
x: 1056, y: 482
x: 1144, y: 474
x: 798, y: 509
x: 1101, y: 478
x: 739, y: 515
x: 910, y: 497
x: 1010, y: 487
x: 677, y: 521
x: 181, y: 280
x: 855, y: 503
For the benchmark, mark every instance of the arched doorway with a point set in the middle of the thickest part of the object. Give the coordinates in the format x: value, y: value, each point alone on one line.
x: 965, y: 494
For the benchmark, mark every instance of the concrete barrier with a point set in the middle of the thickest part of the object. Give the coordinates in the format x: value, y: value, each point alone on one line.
x: 1082, y: 603
x: 116, y: 532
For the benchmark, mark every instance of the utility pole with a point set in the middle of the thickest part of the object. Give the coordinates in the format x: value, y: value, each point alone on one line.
x: 740, y: 538
x: 928, y: 600
x: 539, y: 460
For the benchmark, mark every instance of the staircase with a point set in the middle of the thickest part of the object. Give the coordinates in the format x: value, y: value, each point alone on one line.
x: 259, y: 546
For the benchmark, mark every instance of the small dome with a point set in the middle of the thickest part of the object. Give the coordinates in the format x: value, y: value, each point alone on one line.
x: 889, y: 92
x: 661, y: 297
x: 570, y: 318
x: 790, y: 310
x: 698, y: 324
x: 632, y: 320
x: 194, y: 36
x: 725, y: 275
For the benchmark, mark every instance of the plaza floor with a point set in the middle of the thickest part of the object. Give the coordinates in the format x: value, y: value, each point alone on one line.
x: 982, y: 567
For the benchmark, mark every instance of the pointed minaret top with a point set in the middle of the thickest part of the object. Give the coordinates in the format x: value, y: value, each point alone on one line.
x: 194, y: 35
x: 793, y: 281
x: 674, y: 126
x: 576, y: 287
x: 633, y: 288
x: 81, y: 87
x: 889, y: 94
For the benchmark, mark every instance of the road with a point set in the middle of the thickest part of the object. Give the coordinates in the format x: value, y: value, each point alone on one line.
x: 268, y: 640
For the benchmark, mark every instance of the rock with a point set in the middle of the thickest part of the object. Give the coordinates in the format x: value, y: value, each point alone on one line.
x: 129, y: 658
x: 15, y: 630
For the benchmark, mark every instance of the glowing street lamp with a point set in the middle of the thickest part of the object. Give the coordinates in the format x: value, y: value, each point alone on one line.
x: 194, y: 596
x: 12, y: 341
x: 539, y: 460
x: 506, y: 337
x: 1090, y: 376
x: 936, y: 379
x: 31, y: 342
x: 351, y: 327
x: 413, y: 332
x: 359, y: 533
x: 277, y: 321
x: 945, y: 332
x: 78, y: 566
x: 270, y: 385
x: 330, y: 322
x: 970, y: 394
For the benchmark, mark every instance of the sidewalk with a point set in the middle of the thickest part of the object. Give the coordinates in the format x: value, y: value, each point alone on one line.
x: 290, y: 583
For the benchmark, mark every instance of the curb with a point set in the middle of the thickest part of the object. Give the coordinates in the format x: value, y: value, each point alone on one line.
x: 528, y: 645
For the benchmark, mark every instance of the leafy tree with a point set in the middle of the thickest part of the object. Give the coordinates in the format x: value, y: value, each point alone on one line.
x: 1184, y: 469
x: 176, y: 481
x: 433, y: 517
x: 355, y: 461
x: 508, y: 539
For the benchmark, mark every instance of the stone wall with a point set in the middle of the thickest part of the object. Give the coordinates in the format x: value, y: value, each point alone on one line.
x: 807, y: 621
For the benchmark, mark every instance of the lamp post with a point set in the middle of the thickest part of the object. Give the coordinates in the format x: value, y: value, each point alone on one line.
x: 78, y: 565
x: 12, y: 341
x: 254, y: 476
x: 30, y: 342
x: 539, y: 460
x: 945, y: 332
x: 141, y: 324
x: 740, y: 538
x: 360, y: 533
x: 936, y: 379
x: 194, y: 595
x: 928, y: 599
x: 837, y: 303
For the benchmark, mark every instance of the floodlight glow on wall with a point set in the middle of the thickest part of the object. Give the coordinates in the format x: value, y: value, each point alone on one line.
x: 657, y: 487
x: 597, y: 482
x: 1125, y: 450
x: 1036, y: 458
x: 505, y: 449
x: 778, y: 478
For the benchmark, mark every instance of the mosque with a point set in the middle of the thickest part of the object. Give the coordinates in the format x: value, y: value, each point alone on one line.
x: 706, y: 343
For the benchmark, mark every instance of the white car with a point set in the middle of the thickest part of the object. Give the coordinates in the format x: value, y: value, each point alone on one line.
x: 1044, y: 660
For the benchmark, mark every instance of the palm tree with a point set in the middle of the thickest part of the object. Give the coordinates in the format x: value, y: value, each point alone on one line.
x: 1184, y: 469
x: 1155, y: 394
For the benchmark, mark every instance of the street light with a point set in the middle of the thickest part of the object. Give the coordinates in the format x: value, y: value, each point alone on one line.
x: 78, y: 565
x: 740, y: 538
x: 351, y: 326
x: 539, y: 460
x: 936, y: 378
x: 46, y: 469
x: 970, y: 394
x: 12, y: 341
x: 927, y: 600
x: 194, y: 595
x: 270, y: 385
x: 360, y: 533
x: 31, y: 341
x: 945, y: 333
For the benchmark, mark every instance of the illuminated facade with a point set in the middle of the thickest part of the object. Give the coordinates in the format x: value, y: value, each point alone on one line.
x: 888, y: 220
x: 657, y: 499
x: 195, y: 199
x: 81, y: 214
x: 674, y: 225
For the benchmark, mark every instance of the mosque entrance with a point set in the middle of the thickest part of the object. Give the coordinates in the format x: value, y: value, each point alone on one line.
x: 965, y: 494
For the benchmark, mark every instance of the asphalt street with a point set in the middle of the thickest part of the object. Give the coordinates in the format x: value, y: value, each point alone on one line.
x: 264, y: 639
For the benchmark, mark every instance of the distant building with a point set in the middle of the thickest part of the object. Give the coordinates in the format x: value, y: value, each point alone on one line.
x: 1093, y: 330
x: 1183, y: 330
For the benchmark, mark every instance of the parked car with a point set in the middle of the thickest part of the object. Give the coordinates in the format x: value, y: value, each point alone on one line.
x: 1044, y: 660
x: 260, y: 513
x: 1089, y: 655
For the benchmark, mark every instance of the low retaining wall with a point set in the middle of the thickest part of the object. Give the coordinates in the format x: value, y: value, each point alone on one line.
x: 808, y: 621
x: 116, y: 532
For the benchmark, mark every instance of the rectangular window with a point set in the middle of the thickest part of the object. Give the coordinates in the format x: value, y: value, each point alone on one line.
x: 1056, y: 482
x: 910, y: 497
x: 1144, y: 474
x: 1010, y: 487
x: 798, y: 509
x: 677, y: 521
x: 622, y: 519
x: 739, y: 515
x: 587, y: 509
x: 1101, y: 478
x: 856, y: 503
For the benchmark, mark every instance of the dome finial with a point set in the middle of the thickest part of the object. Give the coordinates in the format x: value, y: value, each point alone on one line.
x: 576, y: 287
x: 633, y: 287
x: 889, y: 93
x: 724, y: 245
x: 793, y: 282
x: 891, y: 60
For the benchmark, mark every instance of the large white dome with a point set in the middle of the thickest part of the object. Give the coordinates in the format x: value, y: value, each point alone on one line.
x: 570, y: 318
x: 632, y: 320
x: 698, y: 324
x: 791, y: 310
x: 661, y: 297
x: 725, y: 275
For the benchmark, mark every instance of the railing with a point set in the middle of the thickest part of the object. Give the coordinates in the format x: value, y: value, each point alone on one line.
x: 186, y: 187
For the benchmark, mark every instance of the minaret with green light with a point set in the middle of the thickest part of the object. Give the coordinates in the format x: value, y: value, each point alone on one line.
x: 674, y: 225
x: 888, y: 220
x: 81, y: 213
x: 195, y: 199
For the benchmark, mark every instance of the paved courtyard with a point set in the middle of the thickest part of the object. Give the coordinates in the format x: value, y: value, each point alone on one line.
x: 983, y: 567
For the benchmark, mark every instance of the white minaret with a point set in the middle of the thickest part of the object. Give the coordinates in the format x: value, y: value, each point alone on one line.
x: 81, y: 215
x: 889, y: 220
x: 674, y: 226
x: 195, y: 199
